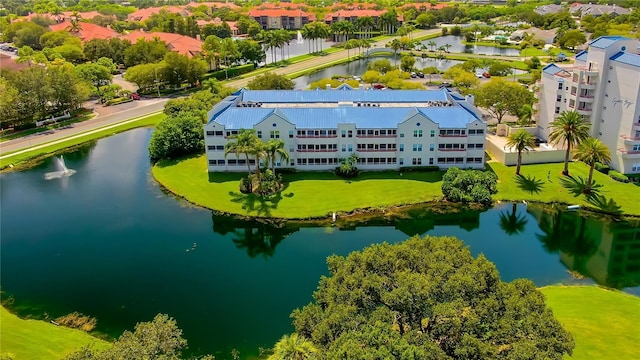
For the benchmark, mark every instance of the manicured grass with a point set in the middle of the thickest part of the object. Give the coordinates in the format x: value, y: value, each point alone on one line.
x: 531, y: 51
x: 35, y: 339
x: 311, y: 194
x: 604, y: 323
x: 552, y: 191
x: 317, y: 194
x: 20, y: 158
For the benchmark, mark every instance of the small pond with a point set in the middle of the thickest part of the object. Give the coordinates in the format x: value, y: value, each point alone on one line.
x: 458, y: 47
x: 109, y: 243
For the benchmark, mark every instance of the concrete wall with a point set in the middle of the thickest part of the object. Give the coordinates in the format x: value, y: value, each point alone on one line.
x: 528, y: 157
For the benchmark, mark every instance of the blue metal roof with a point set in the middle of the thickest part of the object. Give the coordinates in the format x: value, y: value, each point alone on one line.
x: 582, y: 55
x: 333, y: 96
x: 551, y: 69
x: 329, y: 118
x: 627, y: 58
x: 604, y: 42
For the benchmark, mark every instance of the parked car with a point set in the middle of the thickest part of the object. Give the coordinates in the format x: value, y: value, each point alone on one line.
x: 135, y: 96
x: 486, y: 75
x: 378, y: 86
x: 414, y: 75
x: 421, y: 75
x: 444, y: 85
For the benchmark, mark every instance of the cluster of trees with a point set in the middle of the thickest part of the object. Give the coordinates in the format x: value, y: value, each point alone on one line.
x: 34, y: 92
x: 218, y: 51
x: 424, y: 298
x: 181, y: 133
x: 501, y: 97
x: 469, y: 186
x: 174, y: 70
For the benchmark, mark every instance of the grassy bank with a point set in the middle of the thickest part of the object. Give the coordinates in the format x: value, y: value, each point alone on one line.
x: 306, y: 195
x: 22, y: 158
x: 548, y: 191
x: 318, y: 194
x: 35, y: 339
x: 604, y: 323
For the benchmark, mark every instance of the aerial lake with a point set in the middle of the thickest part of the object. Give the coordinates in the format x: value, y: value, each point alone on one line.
x: 107, y: 241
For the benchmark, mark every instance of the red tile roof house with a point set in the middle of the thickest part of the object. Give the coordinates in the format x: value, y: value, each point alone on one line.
x: 86, y: 31
x: 181, y: 44
x: 211, y: 4
x: 353, y: 15
x: 281, y: 18
x: 232, y: 24
x: 144, y: 14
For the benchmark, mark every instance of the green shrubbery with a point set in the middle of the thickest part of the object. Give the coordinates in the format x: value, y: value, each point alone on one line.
x: 231, y: 72
x: 618, y: 176
x: 603, y: 168
x: 469, y: 186
x: 177, y: 136
x: 419, y: 168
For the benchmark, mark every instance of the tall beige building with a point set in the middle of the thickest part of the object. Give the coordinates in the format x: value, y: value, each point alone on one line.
x: 604, y: 87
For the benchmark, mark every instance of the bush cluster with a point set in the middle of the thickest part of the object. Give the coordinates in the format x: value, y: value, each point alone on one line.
x: 618, y: 176
x: 231, y: 72
x: 469, y: 186
x: 603, y: 168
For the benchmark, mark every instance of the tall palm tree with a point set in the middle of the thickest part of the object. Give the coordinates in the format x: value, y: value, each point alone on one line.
x: 432, y: 44
x: 526, y: 114
x: 366, y: 24
x: 275, y: 148
x: 521, y: 141
x: 307, y: 34
x: 569, y: 129
x: 245, y: 142
x: 293, y: 347
x: 592, y: 151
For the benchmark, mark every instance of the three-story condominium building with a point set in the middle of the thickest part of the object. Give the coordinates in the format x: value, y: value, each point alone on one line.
x: 603, y: 86
x: 387, y: 129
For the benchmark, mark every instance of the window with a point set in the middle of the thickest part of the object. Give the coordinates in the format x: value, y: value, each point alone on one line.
x: 433, y: 133
x: 215, y: 147
x: 291, y: 148
x: 401, y: 147
x: 557, y: 110
x: 417, y: 133
x: 417, y: 161
x: 559, y: 98
x: 350, y: 133
x: 259, y: 134
x: 344, y: 133
x: 431, y: 147
x: 344, y: 148
x: 401, y: 161
x: 290, y: 134
x: 560, y: 86
x: 636, y: 147
x: 274, y: 134
x: 401, y: 134
x: 350, y: 148
x: 430, y: 161
x: 635, y: 167
x: 417, y: 147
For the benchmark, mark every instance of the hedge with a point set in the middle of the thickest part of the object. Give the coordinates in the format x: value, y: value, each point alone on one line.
x: 231, y: 72
x: 603, y: 168
x: 419, y: 168
x: 117, y: 101
x: 618, y: 176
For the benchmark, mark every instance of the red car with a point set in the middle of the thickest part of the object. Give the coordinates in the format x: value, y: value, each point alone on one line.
x: 378, y: 86
x: 486, y: 74
x: 135, y: 96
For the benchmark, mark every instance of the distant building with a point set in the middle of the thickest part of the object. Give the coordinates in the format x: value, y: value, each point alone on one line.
x: 281, y: 18
x: 597, y: 10
x: 144, y: 14
x: 354, y: 14
x: 549, y: 9
x: 181, y: 44
x: 387, y: 129
x: 232, y: 25
x: 86, y: 31
x: 603, y: 87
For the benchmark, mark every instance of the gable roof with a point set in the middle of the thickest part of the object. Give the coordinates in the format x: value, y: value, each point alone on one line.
x: 551, y: 69
x: 87, y: 31
x: 604, y: 42
x: 627, y: 58
x: 181, y: 44
x: 582, y: 55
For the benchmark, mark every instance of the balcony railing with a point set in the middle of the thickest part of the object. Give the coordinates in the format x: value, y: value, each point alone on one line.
x: 631, y: 138
x: 316, y: 136
x: 452, y: 136
x: 376, y: 136
x: 629, y: 152
x: 376, y: 150
x: 452, y: 149
x: 313, y: 150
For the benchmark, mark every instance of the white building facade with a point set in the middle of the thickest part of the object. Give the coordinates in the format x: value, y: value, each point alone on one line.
x: 604, y: 87
x: 387, y: 129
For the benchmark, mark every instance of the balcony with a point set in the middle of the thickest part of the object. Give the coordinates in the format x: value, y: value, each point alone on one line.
x: 630, y: 154
x: 585, y: 98
x: 376, y: 150
x: 317, y: 151
x: 584, y: 111
x: 630, y: 140
x: 589, y: 85
x: 448, y: 150
x: 376, y: 136
x: 316, y: 136
x: 452, y: 136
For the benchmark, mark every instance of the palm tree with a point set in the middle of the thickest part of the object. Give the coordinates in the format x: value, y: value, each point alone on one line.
x: 293, y: 347
x: 432, y: 44
x: 396, y: 45
x: 366, y: 24
x: 275, y: 148
x: 307, y: 34
x: 446, y: 47
x: 569, y: 129
x: 521, y: 141
x: 245, y: 142
x: 512, y: 223
x: 592, y: 151
x: 526, y: 114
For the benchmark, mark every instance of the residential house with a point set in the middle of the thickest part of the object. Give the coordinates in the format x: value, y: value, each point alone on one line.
x: 86, y: 31
x: 281, y: 18
x: 181, y: 44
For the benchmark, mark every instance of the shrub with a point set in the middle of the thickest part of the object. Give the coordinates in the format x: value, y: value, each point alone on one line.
x: 246, y: 184
x: 177, y: 136
x: 269, y: 183
x: 117, y: 101
x: 348, y: 168
x: 618, y: 176
x: 603, y: 168
x: 231, y: 72
x: 77, y: 320
x: 469, y: 186
x: 419, y: 168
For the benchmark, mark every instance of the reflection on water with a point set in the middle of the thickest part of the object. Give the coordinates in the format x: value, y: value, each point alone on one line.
x: 606, y: 251
x: 456, y: 46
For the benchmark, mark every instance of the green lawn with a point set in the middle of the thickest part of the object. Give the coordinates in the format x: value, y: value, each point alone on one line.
x: 23, y: 158
x: 35, y: 339
x: 605, y: 324
x: 306, y: 195
x: 317, y: 194
x: 552, y: 191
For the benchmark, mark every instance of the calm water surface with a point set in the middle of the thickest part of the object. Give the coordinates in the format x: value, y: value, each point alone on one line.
x: 458, y: 47
x: 109, y: 243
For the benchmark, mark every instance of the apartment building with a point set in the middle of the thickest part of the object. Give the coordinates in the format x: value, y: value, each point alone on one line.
x: 281, y: 18
x: 387, y: 129
x: 604, y: 87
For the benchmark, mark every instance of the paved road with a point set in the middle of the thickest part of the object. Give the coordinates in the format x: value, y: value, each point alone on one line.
x: 144, y: 107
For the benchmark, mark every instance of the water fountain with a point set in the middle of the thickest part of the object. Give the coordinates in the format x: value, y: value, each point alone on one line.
x: 300, y: 39
x: 62, y: 170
